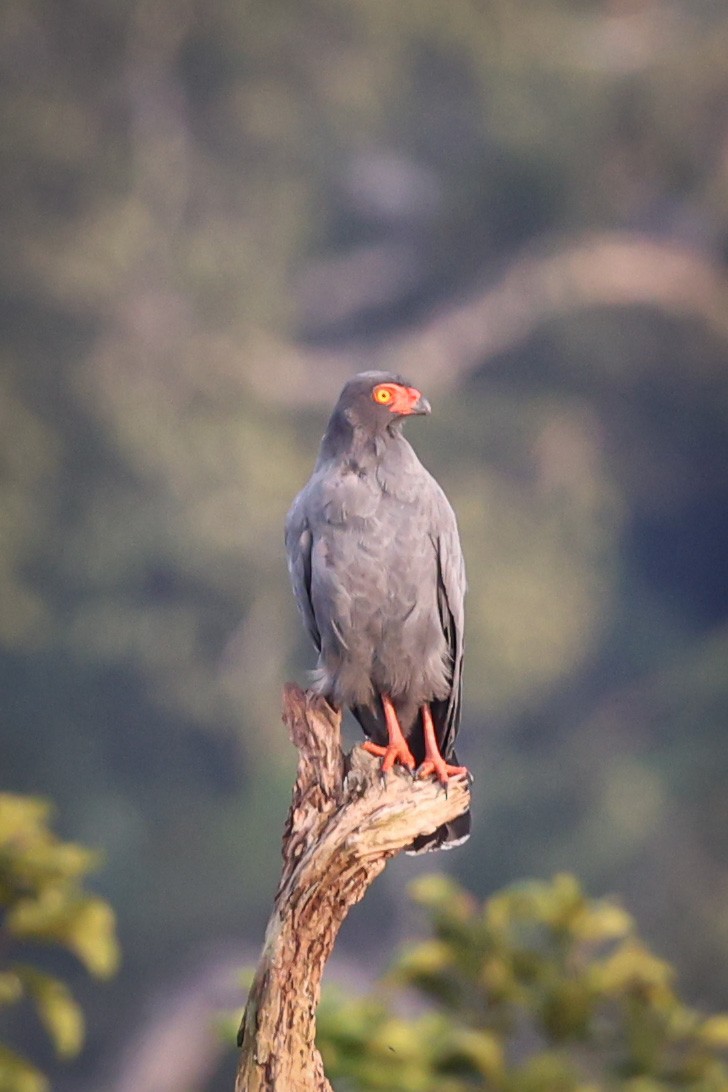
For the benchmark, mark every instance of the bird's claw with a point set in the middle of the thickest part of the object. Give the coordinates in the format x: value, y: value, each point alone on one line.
x: 443, y: 771
x: 391, y: 755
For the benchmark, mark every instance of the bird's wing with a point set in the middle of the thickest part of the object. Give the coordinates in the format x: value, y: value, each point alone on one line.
x: 298, y: 548
x: 451, y: 605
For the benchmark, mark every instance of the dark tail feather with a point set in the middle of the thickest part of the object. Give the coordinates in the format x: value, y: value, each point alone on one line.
x: 447, y: 836
x: 373, y: 723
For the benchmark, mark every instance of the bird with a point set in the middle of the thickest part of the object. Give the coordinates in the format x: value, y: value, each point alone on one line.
x: 378, y: 575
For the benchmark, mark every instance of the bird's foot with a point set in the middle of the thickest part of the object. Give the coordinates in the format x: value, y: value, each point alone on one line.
x: 434, y: 762
x: 442, y: 770
x: 393, y: 752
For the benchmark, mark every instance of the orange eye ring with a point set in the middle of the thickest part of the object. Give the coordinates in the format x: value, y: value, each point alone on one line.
x: 382, y: 395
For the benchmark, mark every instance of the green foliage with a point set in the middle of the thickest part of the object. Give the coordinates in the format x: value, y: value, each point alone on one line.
x: 539, y: 989
x: 42, y: 901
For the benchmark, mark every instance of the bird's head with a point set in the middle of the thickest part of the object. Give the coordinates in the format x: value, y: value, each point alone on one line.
x: 374, y: 401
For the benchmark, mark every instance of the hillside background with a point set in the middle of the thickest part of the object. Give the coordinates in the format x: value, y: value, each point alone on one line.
x: 212, y: 213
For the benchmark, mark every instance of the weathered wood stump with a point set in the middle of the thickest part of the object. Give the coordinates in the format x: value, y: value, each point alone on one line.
x: 345, y: 823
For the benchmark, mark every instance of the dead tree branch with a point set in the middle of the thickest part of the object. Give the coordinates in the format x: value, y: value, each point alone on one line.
x: 343, y: 827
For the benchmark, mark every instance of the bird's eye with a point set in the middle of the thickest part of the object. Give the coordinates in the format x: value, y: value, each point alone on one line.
x: 382, y: 395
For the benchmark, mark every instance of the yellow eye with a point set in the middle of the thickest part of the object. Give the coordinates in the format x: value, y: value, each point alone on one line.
x: 382, y: 395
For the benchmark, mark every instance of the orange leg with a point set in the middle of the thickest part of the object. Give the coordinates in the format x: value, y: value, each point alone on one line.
x: 434, y: 762
x: 397, y: 749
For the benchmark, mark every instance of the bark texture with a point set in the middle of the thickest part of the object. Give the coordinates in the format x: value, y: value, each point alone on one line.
x: 343, y: 827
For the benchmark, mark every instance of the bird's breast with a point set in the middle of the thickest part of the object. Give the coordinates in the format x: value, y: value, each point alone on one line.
x: 373, y: 574
x: 351, y: 497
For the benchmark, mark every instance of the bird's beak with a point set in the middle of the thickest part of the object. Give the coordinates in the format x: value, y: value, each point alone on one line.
x: 419, y: 404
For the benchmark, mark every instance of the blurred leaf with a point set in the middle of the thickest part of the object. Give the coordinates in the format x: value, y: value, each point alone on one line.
x: 482, y: 1049
x: 714, y: 1032
x: 44, y: 901
x: 634, y: 969
x: 425, y: 960
x: 56, y: 1008
x: 84, y: 925
x: 21, y: 817
x: 602, y: 921
x: 434, y: 890
x: 11, y: 987
x: 17, y: 1075
x: 93, y: 937
x: 567, y: 1010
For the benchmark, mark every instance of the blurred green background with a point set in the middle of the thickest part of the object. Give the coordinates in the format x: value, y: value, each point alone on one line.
x: 212, y: 213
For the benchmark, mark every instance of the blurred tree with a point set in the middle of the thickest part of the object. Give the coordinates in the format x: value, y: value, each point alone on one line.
x: 43, y: 902
x: 539, y: 989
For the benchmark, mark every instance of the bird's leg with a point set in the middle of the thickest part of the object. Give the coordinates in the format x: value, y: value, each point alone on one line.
x: 397, y: 749
x: 434, y: 762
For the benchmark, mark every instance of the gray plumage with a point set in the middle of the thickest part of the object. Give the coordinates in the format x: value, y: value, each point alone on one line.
x: 378, y: 575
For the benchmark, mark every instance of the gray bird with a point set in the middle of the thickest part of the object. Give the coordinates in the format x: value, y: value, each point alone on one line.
x: 378, y: 574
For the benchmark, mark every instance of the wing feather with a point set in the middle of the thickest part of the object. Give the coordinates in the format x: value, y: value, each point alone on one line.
x: 299, y: 541
x: 451, y: 605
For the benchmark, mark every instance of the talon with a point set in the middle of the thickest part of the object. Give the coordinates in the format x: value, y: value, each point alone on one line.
x: 392, y: 753
x: 397, y: 749
x: 434, y: 762
x: 442, y: 770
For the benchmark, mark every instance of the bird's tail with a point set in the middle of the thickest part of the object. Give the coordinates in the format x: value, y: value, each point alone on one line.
x: 447, y: 836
